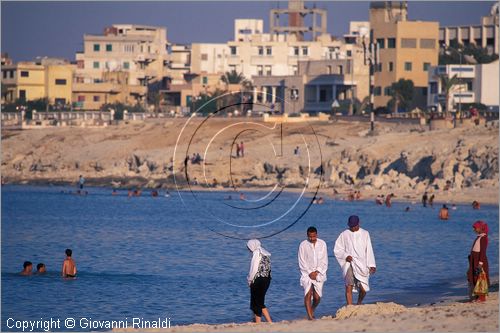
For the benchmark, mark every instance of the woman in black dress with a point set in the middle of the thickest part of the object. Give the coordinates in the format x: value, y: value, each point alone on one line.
x: 259, y: 279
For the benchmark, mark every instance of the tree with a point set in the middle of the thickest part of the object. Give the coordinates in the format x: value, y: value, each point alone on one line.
x: 456, y: 53
x: 234, y: 77
x: 402, y: 95
x: 447, y: 84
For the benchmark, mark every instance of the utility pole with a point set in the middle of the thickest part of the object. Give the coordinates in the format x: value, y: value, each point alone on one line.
x: 371, y: 55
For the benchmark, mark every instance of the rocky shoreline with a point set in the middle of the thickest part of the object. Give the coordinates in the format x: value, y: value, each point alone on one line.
x: 403, y: 159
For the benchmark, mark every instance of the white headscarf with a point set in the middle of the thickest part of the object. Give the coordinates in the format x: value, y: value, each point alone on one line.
x: 258, y: 251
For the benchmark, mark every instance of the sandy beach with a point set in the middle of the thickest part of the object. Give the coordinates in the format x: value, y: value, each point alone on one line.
x: 446, y: 316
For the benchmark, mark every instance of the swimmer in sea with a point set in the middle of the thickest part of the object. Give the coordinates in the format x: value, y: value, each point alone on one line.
x: 41, y: 269
x: 27, y: 268
x: 69, y: 266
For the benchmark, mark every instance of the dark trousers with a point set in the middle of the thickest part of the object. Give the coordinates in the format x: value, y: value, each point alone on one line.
x: 258, y: 294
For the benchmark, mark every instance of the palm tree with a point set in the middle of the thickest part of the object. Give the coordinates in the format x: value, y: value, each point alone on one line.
x: 234, y: 77
x: 447, y: 84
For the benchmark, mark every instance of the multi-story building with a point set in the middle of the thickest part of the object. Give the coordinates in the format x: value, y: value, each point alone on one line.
x: 407, y: 49
x: 483, y: 35
x: 131, y: 56
x: 45, y: 78
x: 317, y: 86
x: 254, y: 53
x: 474, y: 84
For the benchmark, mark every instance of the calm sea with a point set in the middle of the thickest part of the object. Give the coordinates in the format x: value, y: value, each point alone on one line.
x: 151, y: 257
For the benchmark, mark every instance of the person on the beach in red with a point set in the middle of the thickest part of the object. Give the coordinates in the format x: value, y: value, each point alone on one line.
x: 477, y: 259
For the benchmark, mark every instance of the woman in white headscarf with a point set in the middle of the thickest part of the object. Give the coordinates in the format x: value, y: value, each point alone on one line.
x: 259, y: 279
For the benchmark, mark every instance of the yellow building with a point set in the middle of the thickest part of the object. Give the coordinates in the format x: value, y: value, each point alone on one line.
x: 407, y: 50
x: 48, y: 78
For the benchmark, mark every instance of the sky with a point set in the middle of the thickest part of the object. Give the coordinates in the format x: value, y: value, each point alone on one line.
x: 56, y: 28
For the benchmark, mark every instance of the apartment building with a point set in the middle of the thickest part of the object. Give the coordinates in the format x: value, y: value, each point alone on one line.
x: 474, y: 84
x: 407, y: 49
x: 126, y: 56
x: 45, y: 78
x: 484, y: 34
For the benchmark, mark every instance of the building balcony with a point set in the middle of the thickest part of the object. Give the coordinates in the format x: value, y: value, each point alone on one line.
x: 103, y: 87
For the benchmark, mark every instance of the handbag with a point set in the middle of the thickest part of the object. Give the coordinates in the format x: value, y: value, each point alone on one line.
x: 481, y: 287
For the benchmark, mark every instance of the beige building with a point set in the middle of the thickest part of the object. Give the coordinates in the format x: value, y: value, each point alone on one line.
x: 46, y: 78
x: 483, y: 35
x: 476, y: 84
x: 128, y: 56
x: 407, y: 49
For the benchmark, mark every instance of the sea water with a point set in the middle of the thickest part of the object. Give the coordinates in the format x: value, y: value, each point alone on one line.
x: 177, y: 257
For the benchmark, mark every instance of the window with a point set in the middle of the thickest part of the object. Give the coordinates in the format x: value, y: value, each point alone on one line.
x: 295, y: 69
x: 379, y: 67
x: 381, y: 43
x: 391, y: 43
x: 469, y: 86
x: 427, y: 43
x: 305, y: 51
x: 12, y: 74
x: 269, y: 50
x: 408, y: 66
x: 97, y: 98
x: 329, y: 69
x: 81, y: 98
x: 377, y: 91
x: 109, y: 47
x: 126, y: 65
x: 205, y: 80
x: 409, y: 43
x: 4, y: 74
x: 204, y: 57
x: 296, y: 51
x: 97, y: 47
x: 387, y: 91
x: 349, y: 53
x: 80, y: 64
x: 424, y: 91
x: 232, y: 50
x: 426, y: 66
x: 340, y: 69
x: 96, y: 64
x: 22, y: 95
x: 260, y: 70
x: 25, y: 74
x: 434, y: 87
x: 268, y: 70
x: 325, y: 93
x: 261, y: 50
x: 294, y: 94
x: 61, y: 82
x: 391, y: 66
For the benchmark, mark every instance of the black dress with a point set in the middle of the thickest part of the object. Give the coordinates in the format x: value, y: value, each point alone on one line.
x: 259, y: 286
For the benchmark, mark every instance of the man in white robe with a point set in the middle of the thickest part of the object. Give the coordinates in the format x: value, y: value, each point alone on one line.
x: 354, y: 252
x: 313, y: 264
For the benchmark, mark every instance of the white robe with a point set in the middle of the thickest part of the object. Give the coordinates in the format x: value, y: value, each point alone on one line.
x: 359, y: 246
x: 313, y: 257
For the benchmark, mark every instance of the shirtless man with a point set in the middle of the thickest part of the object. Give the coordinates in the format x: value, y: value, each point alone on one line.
x: 27, y: 268
x: 443, y: 213
x: 69, y: 266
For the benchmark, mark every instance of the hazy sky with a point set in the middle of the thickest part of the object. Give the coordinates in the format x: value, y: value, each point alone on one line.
x: 50, y: 28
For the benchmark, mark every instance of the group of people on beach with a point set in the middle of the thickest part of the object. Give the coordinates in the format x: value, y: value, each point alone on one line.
x: 68, y: 267
x: 352, y: 249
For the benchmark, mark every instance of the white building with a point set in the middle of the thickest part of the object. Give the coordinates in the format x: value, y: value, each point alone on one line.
x: 476, y: 84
